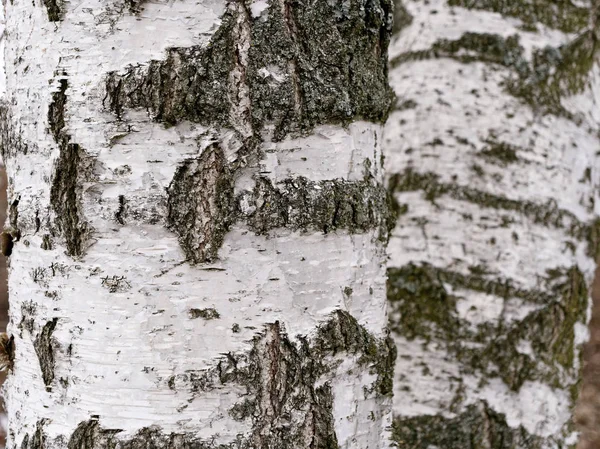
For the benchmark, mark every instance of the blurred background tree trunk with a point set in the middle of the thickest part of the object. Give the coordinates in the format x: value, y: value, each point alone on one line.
x: 492, y: 157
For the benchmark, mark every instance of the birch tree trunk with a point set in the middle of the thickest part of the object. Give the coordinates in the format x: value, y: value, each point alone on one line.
x: 198, y: 190
x: 492, y: 155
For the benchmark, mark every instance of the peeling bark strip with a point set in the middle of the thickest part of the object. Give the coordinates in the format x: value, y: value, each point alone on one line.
x: 478, y: 426
x: 44, y: 348
x: 308, y: 64
x: 421, y: 307
x: 288, y: 387
x: 64, y: 196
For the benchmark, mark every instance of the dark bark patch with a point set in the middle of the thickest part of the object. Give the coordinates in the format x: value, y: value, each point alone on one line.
x: 206, y: 314
x: 301, y: 204
x: 421, y: 307
x: 37, y: 438
x: 54, y: 8
x: 564, y: 15
x: 308, y: 64
x: 201, y: 204
x: 189, y: 84
x: 44, y: 348
x: 542, y: 82
x: 65, y: 188
x: 7, y: 351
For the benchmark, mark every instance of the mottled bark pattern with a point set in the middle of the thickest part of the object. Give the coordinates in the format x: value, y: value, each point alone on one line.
x: 491, y: 154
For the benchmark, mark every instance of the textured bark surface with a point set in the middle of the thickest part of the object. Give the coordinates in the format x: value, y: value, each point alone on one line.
x: 199, y: 192
x: 491, y: 155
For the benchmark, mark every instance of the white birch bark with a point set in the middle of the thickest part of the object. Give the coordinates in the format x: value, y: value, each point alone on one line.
x: 492, y: 152
x: 201, y: 261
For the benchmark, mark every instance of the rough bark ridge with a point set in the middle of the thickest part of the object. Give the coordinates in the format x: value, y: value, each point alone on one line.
x: 302, y: 91
x: 307, y: 64
x: 491, y: 151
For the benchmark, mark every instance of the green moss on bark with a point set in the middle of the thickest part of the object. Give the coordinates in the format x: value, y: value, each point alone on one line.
x: 564, y: 15
x: 477, y: 427
x: 421, y: 307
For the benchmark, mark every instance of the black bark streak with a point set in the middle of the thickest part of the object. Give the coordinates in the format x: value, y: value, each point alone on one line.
x: 64, y: 191
x: 44, y: 348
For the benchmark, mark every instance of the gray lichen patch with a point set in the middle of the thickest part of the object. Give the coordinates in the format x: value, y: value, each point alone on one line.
x: 201, y: 205
x: 44, y: 348
x: 306, y: 65
x: 421, y: 307
x: 564, y: 15
x: 552, y: 72
x: 68, y: 174
x: 477, y: 426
